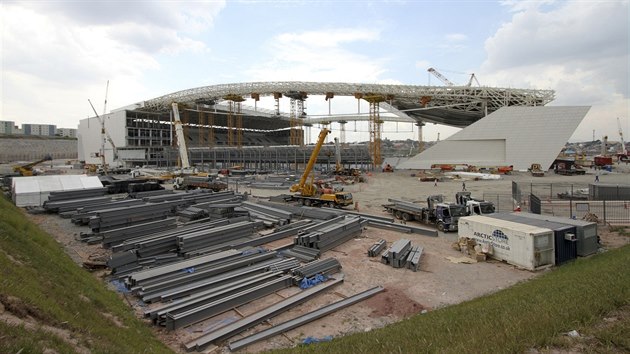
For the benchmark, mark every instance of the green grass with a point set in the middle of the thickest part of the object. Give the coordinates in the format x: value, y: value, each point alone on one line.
x: 532, y: 314
x: 39, y: 280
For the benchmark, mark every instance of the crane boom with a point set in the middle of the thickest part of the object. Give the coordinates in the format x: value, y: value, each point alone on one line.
x: 337, y: 155
x: 441, y: 77
x: 105, y: 136
x: 302, y: 187
x: 181, y: 141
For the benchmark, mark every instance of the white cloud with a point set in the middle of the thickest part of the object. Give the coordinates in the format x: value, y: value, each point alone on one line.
x: 579, y: 49
x: 57, y: 54
x: 455, y: 37
x: 319, y: 56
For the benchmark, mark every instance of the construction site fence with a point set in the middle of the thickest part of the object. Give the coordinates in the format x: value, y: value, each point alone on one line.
x: 613, y: 212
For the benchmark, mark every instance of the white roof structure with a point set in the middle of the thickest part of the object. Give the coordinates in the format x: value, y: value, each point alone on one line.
x: 517, y: 136
x: 34, y: 191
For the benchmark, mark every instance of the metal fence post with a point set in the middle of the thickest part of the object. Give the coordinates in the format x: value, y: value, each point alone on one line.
x: 604, y: 207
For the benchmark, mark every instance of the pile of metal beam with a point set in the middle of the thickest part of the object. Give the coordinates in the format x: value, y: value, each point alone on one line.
x: 273, y: 215
x: 322, y: 266
x: 77, y: 194
x: 396, y: 255
x: 64, y: 205
x: 306, y: 212
x: 140, y: 195
x: 305, y: 254
x: 186, y: 241
x: 306, y: 318
x: 413, y: 259
x: 243, y: 324
x: 192, y: 213
x: 82, y: 215
x: 330, y: 234
x: 377, y: 248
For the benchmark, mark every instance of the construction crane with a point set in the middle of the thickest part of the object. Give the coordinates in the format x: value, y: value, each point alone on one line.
x: 472, y: 77
x: 105, y: 136
x: 442, y: 78
x: 181, y: 141
x: 27, y: 169
x: 623, y: 155
x: 308, y: 193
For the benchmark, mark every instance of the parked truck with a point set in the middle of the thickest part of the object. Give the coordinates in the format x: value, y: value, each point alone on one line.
x: 474, y: 206
x: 195, y: 182
x: 443, y: 215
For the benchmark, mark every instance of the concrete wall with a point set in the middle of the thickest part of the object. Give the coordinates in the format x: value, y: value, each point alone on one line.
x: 89, y: 137
x: 35, y: 149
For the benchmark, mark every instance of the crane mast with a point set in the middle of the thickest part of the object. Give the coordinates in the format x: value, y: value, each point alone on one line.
x: 181, y: 141
x: 623, y: 143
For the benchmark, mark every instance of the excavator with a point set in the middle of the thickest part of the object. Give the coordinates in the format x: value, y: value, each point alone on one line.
x: 308, y: 194
x: 27, y: 169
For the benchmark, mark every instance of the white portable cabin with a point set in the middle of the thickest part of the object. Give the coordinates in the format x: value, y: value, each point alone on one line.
x: 522, y: 245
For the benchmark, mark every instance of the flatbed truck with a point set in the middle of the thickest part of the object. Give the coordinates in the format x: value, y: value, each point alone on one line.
x: 443, y: 215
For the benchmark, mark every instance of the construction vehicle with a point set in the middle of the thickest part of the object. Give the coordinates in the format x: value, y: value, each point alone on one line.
x: 342, y: 171
x: 197, y: 182
x: 103, y: 170
x: 603, y: 159
x: 474, y: 206
x: 444, y: 215
x: 307, y: 193
x: 567, y: 167
x: 388, y: 168
x: 27, y: 169
x: 536, y: 170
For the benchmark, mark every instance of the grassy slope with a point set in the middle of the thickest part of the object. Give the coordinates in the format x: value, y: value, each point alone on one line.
x: 532, y: 314
x: 37, y: 278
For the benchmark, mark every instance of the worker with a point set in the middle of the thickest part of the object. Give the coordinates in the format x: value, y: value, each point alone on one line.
x: 597, y: 177
x: 435, y: 183
x: 464, y: 185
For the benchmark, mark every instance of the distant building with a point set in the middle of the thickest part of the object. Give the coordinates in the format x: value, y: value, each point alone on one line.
x: 6, y: 127
x: 67, y: 132
x: 39, y: 129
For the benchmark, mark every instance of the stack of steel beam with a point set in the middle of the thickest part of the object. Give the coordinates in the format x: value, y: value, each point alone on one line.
x: 270, y: 265
x: 283, y: 216
x: 226, y: 300
x: 117, y: 236
x: 413, y: 259
x: 77, y: 194
x: 322, y: 266
x: 307, y: 212
x: 250, y: 321
x: 192, y: 213
x: 377, y: 248
x: 72, y: 204
x: 305, y: 254
x: 126, y: 216
x: 306, y: 318
x: 140, y: 195
x: 82, y: 215
x: 214, y: 236
x: 396, y: 255
x: 330, y: 234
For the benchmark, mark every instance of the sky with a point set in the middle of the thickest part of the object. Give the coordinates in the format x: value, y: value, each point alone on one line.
x: 57, y: 54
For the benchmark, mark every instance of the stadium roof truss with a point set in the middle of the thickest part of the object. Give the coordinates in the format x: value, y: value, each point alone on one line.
x: 457, y: 106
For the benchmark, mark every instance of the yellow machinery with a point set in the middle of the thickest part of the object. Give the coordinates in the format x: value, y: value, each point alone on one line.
x: 27, y: 169
x: 308, y: 193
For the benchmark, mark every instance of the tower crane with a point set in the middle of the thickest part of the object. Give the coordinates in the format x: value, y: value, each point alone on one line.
x: 623, y: 155
x: 442, y: 78
x: 470, y: 81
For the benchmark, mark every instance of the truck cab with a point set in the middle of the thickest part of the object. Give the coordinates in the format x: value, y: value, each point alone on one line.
x: 474, y: 207
x: 447, y: 216
x: 338, y: 199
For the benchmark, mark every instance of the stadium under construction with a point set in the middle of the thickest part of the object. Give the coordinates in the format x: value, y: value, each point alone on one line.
x: 223, y: 125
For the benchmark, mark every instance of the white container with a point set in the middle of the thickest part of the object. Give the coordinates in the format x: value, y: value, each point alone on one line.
x: 522, y: 245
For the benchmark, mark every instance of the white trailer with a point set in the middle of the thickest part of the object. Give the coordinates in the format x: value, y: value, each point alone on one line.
x: 522, y: 245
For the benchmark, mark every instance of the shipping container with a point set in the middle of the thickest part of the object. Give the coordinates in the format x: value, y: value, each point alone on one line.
x: 565, y: 236
x: 522, y: 245
x: 600, y: 191
x: 587, y: 243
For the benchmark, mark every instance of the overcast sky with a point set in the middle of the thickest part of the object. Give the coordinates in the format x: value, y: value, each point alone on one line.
x: 58, y: 54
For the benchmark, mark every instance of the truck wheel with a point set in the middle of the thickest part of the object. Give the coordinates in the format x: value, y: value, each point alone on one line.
x: 302, y: 201
x: 307, y: 202
x: 330, y: 204
x: 398, y: 214
x: 440, y: 226
x: 406, y: 217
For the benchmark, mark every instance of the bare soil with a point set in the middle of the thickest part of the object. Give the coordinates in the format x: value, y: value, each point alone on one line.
x: 439, y: 282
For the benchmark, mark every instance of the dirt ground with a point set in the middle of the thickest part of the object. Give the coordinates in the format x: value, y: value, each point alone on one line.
x: 438, y: 283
